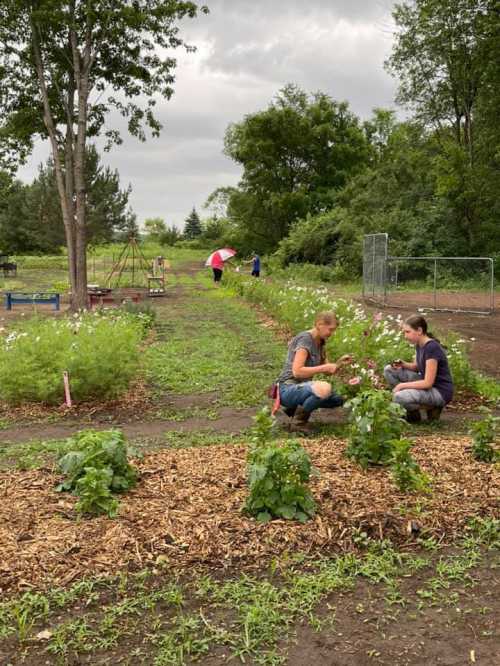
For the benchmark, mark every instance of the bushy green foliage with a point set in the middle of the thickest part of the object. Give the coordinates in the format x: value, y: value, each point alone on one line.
x: 99, y: 351
x: 405, y: 469
x: 95, y: 465
x: 278, y: 476
x: 312, y: 240
x: 376, y: 422
x: 484, y: 436
x: 295, y: 155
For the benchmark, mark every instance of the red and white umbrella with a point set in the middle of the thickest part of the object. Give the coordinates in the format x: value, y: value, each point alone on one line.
x: 216, y: 257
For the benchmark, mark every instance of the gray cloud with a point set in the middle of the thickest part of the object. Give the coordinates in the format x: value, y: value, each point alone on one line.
x: 247, y: 51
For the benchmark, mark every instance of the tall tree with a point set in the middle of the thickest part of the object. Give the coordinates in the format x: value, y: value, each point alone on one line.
x: 65, y: 64
x: 295, y: 155
x: 192, y: 227
x: 442, y: 56
x: 32, y: 219
x: 155, y: 227
x: 170, y: 236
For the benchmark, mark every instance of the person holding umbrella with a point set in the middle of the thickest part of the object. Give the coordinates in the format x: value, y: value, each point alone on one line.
x: 216, y: 262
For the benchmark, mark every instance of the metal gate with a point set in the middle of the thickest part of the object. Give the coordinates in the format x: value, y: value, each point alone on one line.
x: 374, y: 266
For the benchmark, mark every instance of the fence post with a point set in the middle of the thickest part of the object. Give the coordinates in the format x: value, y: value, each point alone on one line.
x: 373, y: 270
x: 492, y: 286
x: 435, y: 283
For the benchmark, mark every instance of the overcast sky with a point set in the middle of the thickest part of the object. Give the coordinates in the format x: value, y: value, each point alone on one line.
x: 246, y: 51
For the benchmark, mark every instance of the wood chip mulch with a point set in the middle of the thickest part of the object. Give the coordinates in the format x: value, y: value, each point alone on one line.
x: 186, y: 511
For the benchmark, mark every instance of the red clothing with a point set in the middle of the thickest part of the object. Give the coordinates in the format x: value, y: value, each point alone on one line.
x: 217, y: 261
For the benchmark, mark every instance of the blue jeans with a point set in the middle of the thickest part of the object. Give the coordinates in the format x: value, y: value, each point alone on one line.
x: 293, y: 395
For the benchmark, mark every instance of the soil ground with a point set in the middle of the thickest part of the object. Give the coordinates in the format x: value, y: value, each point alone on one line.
x: 455, y: 625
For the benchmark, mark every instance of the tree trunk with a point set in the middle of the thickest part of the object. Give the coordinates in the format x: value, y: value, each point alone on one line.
x: 81, y: 68
x: 64, y: 196
x: 70, y: 187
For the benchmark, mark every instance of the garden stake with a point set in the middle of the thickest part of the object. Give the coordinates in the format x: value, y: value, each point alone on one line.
x: 67, y: 392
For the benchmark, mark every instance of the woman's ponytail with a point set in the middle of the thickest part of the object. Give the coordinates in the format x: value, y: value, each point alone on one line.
x: 417, y: 321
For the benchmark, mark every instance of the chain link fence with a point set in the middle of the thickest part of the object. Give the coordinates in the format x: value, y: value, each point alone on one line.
x: 374, y: 266
x: 455, y: 284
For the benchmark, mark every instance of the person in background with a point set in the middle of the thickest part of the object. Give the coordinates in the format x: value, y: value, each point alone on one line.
x: 299, y: 394
x: 217, y: 268
x: 425, y: 382
x: 256, y: 265
x: 255, y: 261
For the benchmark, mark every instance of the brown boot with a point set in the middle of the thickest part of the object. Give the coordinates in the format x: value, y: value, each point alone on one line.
x: 413, y: 416
x: 301, y: 421
x: 434, y: 413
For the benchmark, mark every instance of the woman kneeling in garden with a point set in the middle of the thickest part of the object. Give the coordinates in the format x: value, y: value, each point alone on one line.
x: 306, y: 358
x: 427, y: 381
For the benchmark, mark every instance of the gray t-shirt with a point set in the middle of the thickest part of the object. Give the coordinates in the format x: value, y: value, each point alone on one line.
x: 305, y: 341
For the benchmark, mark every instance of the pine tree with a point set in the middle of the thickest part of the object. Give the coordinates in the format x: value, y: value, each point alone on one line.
x: 192, y: 228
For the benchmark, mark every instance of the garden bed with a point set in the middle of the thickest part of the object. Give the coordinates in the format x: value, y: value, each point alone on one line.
x: 186, y: 511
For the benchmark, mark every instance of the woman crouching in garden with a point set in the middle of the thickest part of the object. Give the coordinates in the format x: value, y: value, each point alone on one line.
x: 306, y: 358
x: 425, y: 383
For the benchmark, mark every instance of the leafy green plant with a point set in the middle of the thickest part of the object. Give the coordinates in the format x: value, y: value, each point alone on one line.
x: 405, y: 469
x: 99, y: 352
x: 93, y: 489
x: 484, y: 435
x: 278, y: 476
x: 375, y: 422
x: 95, y: 465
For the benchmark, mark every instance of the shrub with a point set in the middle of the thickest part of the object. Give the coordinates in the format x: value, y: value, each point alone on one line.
x: 100, y: 353
x: 95, y: 465
x: 375, y: 422
x: 278, y: 476
x: 484, y: 435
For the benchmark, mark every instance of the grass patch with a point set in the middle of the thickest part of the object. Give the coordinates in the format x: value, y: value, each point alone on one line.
x: 214, y: 344
x: 31, y: 455
x: 199, y: 438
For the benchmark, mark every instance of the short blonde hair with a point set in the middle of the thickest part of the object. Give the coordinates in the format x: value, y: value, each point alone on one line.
x: 328, y: 317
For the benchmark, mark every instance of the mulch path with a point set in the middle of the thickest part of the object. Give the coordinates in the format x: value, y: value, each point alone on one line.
x: 186, y: 511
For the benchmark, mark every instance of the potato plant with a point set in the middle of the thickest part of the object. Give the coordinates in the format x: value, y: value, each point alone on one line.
x: 376, y: 422
x: 484, y: 437
x: 278, y: 476
x: 96, y: 465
